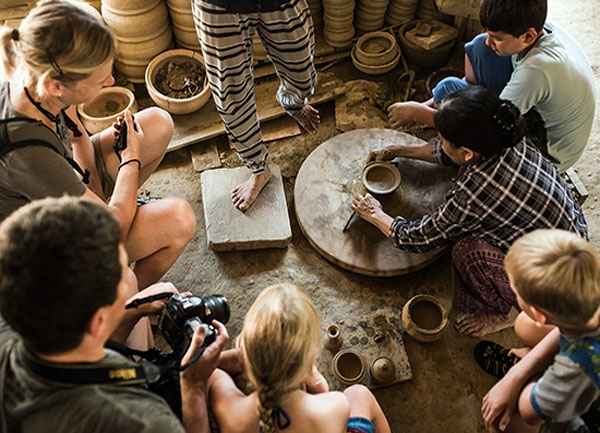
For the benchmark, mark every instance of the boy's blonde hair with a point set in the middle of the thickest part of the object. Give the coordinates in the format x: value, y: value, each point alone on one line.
x: 57, y: 39
x: 280, y: 340
x: 557, y: 271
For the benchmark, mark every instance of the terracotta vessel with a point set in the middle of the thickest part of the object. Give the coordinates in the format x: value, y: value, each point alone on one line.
x: 424, y: 318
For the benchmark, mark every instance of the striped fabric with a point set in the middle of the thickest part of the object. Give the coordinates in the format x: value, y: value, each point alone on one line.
x: 226, y: 39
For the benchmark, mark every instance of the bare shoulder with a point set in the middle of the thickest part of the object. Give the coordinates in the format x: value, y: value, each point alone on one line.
x: 326, y: 412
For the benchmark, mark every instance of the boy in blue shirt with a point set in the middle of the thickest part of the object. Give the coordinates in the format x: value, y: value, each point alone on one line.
x: 533, y: 63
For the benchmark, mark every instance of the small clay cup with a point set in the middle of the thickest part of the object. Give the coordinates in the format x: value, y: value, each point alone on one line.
x: 381, y: 177
x: 349, y: 367
x: 424, y: 318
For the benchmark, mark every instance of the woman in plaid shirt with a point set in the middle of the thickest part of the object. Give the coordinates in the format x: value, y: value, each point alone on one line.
x: 505, y: 188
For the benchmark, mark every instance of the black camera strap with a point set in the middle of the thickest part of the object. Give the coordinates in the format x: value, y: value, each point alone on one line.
x: 72, y: 375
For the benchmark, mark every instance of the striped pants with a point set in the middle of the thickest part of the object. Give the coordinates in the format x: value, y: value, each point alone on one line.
x: 226, y: 38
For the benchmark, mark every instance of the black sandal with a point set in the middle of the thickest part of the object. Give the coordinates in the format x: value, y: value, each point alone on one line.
x: 493, y: 358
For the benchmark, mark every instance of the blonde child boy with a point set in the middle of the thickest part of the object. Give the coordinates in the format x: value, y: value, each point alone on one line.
x: 556, y: 277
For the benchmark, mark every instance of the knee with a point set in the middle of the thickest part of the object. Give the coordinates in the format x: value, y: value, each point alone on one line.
x: 182, y: 219
x: 158, y: 123
x: 447, y: 86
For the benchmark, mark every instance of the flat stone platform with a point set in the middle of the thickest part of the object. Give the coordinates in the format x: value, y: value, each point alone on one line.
x: 265, y: 225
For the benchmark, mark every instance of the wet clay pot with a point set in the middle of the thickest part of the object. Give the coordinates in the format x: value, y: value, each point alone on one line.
x: 349, y: 367
x: 424, y: 318
x: 381, y: 177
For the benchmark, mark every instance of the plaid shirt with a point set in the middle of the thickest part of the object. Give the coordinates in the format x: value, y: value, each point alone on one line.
x: 498, y: 199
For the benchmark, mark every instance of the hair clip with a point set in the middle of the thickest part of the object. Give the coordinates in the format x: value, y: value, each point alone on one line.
x: 53, y: 62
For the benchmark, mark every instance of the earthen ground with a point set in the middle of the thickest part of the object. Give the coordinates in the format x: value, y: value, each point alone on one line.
x: 445, y: 392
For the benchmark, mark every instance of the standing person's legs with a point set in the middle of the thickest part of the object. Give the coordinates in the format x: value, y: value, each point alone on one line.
x: 481, y: 290
x: 288, y: 37
x: 226, y: 40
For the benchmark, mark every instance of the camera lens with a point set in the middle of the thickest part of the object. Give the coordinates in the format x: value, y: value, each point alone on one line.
x: 215, y: 308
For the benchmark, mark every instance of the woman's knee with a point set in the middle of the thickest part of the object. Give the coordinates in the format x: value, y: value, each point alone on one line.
x: 157, y: 124
x: 182, y: 219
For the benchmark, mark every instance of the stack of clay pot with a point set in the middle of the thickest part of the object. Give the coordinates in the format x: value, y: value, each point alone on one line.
x: 316, y: 12
x: 142, y: 29
x: 401, y: 11
x: 370, y: 14
x: 338, y: 18
x: 182, y: 19
x: 428, y: 10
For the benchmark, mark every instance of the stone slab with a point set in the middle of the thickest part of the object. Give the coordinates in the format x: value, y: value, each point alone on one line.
x: 265, y: 225
x: 430, y: 37
x: 358, y: 334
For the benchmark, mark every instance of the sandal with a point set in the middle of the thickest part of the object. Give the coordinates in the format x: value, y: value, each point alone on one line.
x: 493, y: 358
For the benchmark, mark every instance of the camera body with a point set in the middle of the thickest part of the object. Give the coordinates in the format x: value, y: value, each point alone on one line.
x: 181, y: 316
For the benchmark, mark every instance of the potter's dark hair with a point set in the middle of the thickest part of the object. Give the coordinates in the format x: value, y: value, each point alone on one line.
x: 59, y: 263
x: 474, y: 117
x: 513, y: 16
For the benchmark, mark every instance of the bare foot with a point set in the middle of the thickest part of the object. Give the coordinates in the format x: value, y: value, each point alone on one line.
x: 244, y: 194
x: 477, y: 325
x: 309, y: 119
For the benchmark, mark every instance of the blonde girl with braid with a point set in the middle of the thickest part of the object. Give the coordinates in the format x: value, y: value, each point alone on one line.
x: 279, y: 344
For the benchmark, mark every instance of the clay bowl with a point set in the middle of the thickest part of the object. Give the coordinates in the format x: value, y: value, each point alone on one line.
x: 349, y: 367
x: 424, y: 318
x: 376, y: 48
x: 176, y: 60
x: 374, y: 69
x: 381, y: 178
x: 106, y: 108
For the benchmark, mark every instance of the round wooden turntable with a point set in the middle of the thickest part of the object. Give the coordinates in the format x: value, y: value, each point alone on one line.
x: 327, y: 182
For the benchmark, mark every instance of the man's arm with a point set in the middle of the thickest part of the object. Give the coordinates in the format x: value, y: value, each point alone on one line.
x: 500, y: 402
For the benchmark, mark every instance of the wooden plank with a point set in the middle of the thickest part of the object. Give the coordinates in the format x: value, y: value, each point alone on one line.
x: 206, y: 122
x: 205, y: 157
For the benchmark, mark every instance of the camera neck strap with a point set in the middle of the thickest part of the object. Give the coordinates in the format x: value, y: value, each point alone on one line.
x: 73, y: 375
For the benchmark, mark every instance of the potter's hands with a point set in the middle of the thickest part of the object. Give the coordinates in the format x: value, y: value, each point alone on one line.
x: 367, y: 207
x: 499, y: 405
x: 384, y: 154
x: 315, y: 383
x: 403, y: 114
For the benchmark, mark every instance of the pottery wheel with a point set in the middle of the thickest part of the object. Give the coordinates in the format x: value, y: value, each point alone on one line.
x: 323, y: 193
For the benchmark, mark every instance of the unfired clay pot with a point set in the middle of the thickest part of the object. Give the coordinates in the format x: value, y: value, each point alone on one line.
x: 424, y: 318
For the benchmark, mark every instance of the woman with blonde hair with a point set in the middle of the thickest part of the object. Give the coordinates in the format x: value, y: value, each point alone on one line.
x: 59, y: 57
x: 279, y: 343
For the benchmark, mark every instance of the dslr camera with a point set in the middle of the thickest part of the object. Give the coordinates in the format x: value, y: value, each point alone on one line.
x: 181, y: 316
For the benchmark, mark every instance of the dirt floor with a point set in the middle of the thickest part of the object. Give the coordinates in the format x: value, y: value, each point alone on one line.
x: 445, y: 392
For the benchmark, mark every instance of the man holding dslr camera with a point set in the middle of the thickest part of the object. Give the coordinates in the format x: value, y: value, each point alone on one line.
x: 63, y: 280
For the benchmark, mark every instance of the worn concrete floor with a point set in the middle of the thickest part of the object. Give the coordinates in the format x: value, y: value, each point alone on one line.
x: 445, y: 392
